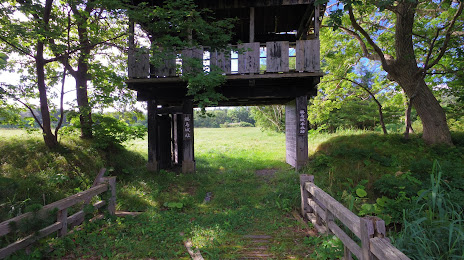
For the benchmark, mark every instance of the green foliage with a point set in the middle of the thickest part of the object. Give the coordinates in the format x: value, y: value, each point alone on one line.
x: 110, y: 132
x: 177, y: 25
x: 433, y: 228
x: 326, y: 247
x: 270, y: 117
x: 228, y: 117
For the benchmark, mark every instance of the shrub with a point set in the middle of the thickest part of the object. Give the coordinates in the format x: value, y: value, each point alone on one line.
x: 110, y: 132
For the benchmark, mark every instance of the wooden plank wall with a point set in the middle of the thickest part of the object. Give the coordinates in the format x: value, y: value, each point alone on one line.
x: 277, y: 56
x: 167, y: 67
x: 138, y: 64
x: 221, y: 60
x: 248, y: 60
x: 308, y: 55
x: 196, y: 53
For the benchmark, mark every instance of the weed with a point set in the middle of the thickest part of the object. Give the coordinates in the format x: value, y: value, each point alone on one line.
x: 433, y: 228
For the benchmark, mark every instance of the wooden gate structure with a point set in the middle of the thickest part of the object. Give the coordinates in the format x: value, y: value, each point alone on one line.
x: 279, y: 64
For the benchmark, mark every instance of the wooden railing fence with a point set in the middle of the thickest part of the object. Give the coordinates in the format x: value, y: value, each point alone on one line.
x: 322, y: 210
x: 100, y: 185
x: 247, y: 61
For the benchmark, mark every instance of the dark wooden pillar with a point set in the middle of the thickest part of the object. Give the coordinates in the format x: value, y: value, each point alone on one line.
x: 296, y: 132
x: 177, y: 139
x: 152, y: 164
x: 164, y: 141
x: 188, y: 162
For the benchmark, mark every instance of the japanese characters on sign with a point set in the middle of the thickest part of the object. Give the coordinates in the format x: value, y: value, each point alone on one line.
x: 302, y: 122
x: 188, y: 127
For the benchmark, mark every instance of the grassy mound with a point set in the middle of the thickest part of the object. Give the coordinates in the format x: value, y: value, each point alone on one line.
x: 385, y: 166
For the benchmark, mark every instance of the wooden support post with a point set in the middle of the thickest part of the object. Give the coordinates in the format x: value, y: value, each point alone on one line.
x: 152, y: 164
x: 305, y: 208
x: 131, y: 35
x: 188, y: 163
x: 296, y: 132
x: 177, y: 139
x: 316, y: 21
x: 164, y: 141
x: 367, y: 232
x: 347, y: 253
x: 62, y: 217
x: 111, y: 181
x: 252, y: 24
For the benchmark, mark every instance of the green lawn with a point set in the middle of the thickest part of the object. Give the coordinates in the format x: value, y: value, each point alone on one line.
x: 253, y: 191
x: 244, y: 201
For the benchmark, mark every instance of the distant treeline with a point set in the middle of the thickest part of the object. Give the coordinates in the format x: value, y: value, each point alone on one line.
x: 226, y: 117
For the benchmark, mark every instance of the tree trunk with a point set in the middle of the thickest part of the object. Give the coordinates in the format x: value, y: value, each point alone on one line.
x: 407, y: 116
x: 49, y: 139
x: 382, y: 123
x: 407, y: 120
x: 407, y: 74
x: 85, y: 111
x: 435, y: 127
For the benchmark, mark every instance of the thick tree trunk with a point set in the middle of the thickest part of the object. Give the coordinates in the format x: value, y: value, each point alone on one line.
x: 407, y: 74
x: 85, y: 111
x: 435, y: 127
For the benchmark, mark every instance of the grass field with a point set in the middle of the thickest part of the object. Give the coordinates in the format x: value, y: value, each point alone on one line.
x: 250, y: 190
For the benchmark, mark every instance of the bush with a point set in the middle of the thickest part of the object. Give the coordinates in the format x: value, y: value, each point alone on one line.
x: 240, y: 124
x: 108, y: 131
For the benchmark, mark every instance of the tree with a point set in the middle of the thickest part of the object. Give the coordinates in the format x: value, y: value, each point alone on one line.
x: 270, y: 117
x: 350, y: 79
x: 79, y: 35
x: 97, y: 28
x: 28, y: 37
x: 410, y: 38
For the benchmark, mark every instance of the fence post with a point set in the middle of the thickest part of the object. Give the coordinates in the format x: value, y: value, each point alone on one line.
x: 62, y: 217
x: 111, y: 181
x: 347, y: 253
x: 305, y: 208
x: 367, y: 232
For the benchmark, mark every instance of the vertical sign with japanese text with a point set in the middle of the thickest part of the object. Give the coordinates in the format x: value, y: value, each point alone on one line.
x: 188, y: 127
x: 302, y: 118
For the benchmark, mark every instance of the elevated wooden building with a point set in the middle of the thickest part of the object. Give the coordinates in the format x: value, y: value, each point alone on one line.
x: 280, y: 64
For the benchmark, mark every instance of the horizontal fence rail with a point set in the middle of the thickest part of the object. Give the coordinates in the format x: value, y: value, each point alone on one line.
x: 250, y: 58
x: 100, y: 185
x: 323, y: 211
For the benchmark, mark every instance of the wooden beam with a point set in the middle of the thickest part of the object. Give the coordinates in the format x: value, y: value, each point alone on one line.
x: 152, y: 164
x: 303, y: 27
x: 316, y: 21
x: 188, y: 162
x: 252, y: 24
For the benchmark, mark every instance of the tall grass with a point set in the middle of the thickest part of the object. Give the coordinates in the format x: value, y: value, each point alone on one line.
x: 434, y: 228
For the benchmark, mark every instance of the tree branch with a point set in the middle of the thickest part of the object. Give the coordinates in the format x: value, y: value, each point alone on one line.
x: 447, y: 37
x: 16, y: 47
x: 24, y: 104
x: 386, y: 64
